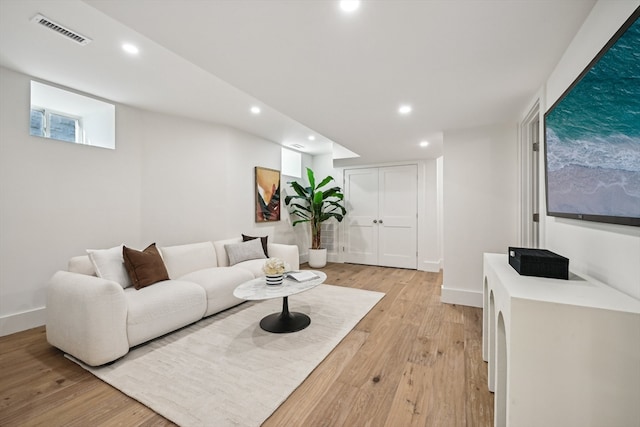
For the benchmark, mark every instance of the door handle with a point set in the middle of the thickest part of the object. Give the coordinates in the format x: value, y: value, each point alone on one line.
x: 375, y: 221
x: 380, y: 221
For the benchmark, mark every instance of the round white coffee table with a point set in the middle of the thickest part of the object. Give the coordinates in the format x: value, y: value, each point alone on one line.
x: 285, y: 321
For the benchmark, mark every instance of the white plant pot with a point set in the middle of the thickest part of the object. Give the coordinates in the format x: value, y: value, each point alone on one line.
x: 317, y: 258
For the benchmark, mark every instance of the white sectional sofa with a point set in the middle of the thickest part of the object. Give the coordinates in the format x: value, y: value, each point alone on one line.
x: 97, y: 319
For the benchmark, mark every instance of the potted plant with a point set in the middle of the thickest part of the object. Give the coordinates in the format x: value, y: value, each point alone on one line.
x: 314, y: 205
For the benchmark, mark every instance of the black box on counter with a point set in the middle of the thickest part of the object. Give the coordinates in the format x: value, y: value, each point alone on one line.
x: 539, y: 262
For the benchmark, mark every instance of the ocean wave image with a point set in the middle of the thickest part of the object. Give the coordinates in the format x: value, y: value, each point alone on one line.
x: 619, y: 152
x: 592, y: 137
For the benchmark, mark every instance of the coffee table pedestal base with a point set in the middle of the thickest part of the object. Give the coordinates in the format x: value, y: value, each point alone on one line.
x: 285, y: 322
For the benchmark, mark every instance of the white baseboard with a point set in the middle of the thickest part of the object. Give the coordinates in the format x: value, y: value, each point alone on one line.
x: 461, y: 297
x: 18, y: 322
x: 430, y: 266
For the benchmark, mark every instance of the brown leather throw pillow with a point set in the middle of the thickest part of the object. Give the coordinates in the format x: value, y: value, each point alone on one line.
x: 144, y: 268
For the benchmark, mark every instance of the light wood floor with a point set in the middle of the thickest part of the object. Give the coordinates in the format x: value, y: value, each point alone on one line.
x: 412, y: 361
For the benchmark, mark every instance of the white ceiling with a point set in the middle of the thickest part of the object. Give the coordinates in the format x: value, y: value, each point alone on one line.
x: 311, y: 68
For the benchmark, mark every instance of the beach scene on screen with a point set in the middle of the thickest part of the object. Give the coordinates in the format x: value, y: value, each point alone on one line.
x: 593, y: 137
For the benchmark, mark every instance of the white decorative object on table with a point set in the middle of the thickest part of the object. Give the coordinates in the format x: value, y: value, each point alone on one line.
x: 274, y: 269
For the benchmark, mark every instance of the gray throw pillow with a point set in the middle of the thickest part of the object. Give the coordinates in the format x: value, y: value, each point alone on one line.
x: 244, y: 251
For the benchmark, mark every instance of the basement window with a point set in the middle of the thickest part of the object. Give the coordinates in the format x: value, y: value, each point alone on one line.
x: 67, y: 116
x: 60, y: 126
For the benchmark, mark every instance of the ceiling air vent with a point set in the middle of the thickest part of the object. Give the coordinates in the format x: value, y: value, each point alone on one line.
x: 60, y: 29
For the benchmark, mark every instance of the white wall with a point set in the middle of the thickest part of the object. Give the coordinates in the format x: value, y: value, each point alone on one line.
x: 300, y: 234
x: 198, y: 182
x: 56, y: 200
x: 170, y: 180
x: 480, y: 205
x: 429, y: 227
x: 322, y: 167
x: 609, y: 253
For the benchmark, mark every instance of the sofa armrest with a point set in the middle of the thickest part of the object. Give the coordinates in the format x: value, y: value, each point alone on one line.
x: 287, y: 253
x: 87, y: 317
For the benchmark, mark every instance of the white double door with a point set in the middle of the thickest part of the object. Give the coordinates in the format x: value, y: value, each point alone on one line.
x: 381, y: 226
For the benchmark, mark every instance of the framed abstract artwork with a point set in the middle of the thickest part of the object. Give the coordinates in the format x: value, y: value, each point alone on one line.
x: 267, y: 190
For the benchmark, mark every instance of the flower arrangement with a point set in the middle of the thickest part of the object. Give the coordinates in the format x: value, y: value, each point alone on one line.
x: 273, y: 266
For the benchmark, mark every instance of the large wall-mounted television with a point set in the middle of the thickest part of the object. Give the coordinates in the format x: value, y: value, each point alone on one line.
x: 592, y: 137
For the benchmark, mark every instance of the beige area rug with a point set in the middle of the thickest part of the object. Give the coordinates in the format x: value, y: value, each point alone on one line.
x: 225, y: 370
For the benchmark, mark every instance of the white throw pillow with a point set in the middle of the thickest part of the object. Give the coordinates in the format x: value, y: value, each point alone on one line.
x: 109, y: 265
x: 243, y: 251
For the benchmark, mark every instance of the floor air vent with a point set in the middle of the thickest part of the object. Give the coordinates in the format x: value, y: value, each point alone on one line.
x: 70, y: 34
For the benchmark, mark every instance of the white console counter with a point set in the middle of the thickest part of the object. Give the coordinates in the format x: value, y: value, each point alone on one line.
x: 561, y: 352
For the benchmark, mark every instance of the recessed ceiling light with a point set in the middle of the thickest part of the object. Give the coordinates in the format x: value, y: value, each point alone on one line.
x: 255, y: 110
x: 312, y: 138
x: 404, y: 109
x: 349, y: 5
x: 424, y: 143
x: 131, y: 49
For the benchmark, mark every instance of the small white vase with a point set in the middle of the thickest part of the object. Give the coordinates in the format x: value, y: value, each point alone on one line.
x: 274, y: 279
x: 317, y: 258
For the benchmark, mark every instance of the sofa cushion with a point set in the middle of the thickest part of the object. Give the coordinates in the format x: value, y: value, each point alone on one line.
x: 253, y: 265
x: 144, y: 267
x: 219, y: 283
x: 263, y: 240
x: 184, y: 259
x: 162, y: 308
x: 243, y: 251
x: 109, y: 264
